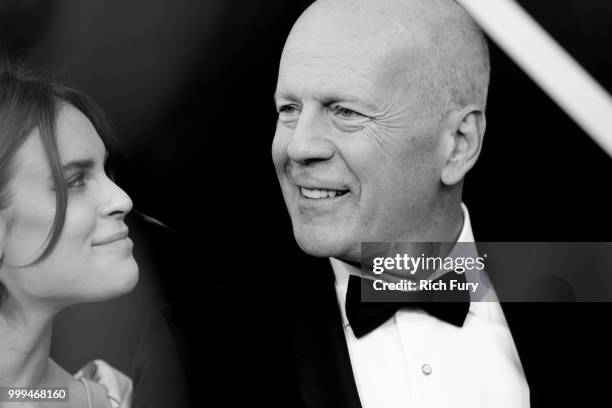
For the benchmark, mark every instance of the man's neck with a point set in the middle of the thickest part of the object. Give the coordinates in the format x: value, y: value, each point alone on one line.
x: 455, y: 225
x: 451, y: 222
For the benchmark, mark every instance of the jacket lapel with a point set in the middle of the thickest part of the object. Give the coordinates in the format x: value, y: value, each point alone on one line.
x: 322, y: 359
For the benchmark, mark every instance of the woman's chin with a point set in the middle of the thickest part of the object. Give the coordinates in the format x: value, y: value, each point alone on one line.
x: 122, y: 281
x: 127, y: 279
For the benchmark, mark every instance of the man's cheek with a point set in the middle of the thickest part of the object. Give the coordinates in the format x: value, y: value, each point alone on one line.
x: 277, y: 157
x: 279, y: 147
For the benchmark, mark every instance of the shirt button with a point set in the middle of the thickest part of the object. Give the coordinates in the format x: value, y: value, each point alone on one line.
x: 426, y: 368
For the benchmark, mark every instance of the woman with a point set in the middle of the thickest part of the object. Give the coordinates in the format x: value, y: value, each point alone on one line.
x: 63, y: 239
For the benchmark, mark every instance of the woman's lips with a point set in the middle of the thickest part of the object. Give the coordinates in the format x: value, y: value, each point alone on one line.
x: 112, y: 238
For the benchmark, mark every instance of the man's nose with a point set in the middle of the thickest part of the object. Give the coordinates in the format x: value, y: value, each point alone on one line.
x: 309, y: 140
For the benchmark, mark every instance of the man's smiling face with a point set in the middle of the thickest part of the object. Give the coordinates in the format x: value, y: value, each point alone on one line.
x: 356, y: 148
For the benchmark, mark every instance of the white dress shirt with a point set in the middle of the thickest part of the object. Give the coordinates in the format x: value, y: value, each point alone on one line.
x: 415, y: 360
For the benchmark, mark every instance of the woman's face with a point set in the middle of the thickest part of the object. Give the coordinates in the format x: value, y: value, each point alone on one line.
x: 93, y: 257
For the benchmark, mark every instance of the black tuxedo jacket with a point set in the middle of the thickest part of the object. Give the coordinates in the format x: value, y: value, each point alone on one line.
x: 274, y: 337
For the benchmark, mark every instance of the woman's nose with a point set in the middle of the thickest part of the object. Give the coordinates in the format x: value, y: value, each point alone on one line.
x: 117, y: 200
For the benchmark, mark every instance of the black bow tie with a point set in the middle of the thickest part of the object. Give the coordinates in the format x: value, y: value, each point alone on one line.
x: 450, y: 306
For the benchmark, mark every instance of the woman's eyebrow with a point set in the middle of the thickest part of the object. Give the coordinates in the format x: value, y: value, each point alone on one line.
x: 83, y: 164
x: 77, y: 165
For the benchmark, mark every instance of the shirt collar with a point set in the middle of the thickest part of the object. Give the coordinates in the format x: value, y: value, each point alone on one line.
x: 343, y: 270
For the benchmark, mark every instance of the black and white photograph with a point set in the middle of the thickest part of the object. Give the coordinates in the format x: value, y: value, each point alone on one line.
x: 298, y: 203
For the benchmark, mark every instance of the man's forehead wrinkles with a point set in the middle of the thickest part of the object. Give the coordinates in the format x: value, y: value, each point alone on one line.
x: 326, y: 92
x: 325, y: 68
x: 374, y: 60
x: 327, y: 49
x: 326, y: 85
x: 329, y: 59
x: 321, y: 67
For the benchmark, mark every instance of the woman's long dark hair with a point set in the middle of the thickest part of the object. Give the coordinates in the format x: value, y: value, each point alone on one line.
x: 27, y: 102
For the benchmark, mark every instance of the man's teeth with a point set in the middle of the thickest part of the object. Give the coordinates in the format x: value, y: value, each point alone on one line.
x: 319, y: 193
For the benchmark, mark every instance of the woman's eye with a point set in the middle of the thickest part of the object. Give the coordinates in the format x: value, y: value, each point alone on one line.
x: 76, y: 181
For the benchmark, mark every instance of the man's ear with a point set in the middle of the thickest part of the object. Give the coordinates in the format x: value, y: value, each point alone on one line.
x: 466, y: 134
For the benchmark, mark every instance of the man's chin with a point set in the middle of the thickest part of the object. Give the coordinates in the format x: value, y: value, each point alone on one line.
x: 327, y: 245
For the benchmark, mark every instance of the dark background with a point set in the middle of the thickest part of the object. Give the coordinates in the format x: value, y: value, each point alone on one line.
x: 188, y: 84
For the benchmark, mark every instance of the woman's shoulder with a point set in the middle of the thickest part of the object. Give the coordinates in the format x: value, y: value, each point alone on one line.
x: 103, y: 381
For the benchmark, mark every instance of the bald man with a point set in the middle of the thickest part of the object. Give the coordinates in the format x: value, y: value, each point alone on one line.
x: 381, y: 114
x: 382, y: 103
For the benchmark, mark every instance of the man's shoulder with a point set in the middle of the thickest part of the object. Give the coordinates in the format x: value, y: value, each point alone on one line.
x: 288, y: 273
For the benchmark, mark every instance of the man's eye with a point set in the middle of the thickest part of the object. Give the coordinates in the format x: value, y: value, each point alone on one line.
x: 287, y: 109
x: 345, y: 113
x: 288, y: 114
